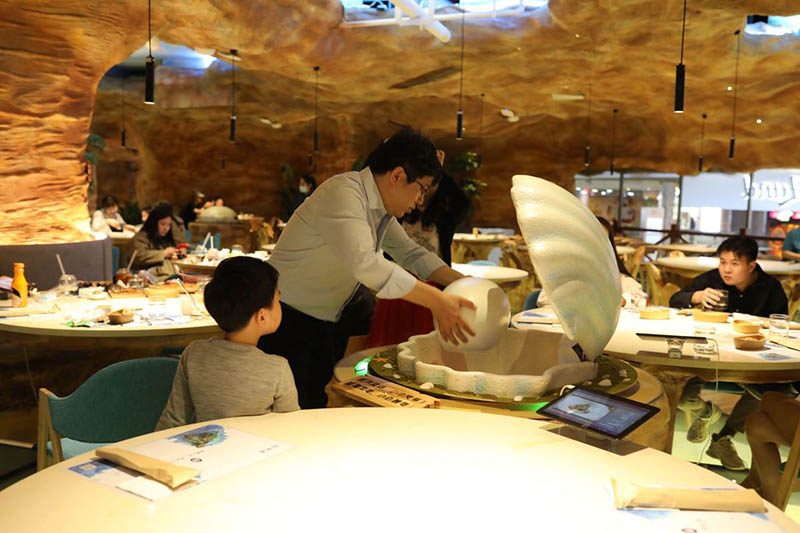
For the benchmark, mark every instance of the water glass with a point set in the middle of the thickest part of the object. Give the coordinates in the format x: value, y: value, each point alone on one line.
x: 722, y: 304
x: 237, y: 249
x: 675, y: 348
x: 710, y: 333
x: 778, y: 325
x: 157, y: 307
x: 67, y: 283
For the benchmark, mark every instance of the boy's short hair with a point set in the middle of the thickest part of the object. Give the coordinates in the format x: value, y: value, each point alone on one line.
x: 740, y: 246
x: 408, y: 149
x: 240, y: 287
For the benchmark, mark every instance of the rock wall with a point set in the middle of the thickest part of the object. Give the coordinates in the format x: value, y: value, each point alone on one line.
x: 54, y: 54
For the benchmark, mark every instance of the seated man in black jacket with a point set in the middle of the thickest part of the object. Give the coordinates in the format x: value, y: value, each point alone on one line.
x: 751, y: 291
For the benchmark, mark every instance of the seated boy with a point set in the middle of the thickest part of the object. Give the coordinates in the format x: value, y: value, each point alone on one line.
x: 219, y: 378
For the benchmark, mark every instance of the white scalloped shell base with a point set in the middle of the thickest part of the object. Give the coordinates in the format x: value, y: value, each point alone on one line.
x: 524, y: 363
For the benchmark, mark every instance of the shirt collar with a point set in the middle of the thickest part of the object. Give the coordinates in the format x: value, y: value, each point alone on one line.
x: 373, y: 193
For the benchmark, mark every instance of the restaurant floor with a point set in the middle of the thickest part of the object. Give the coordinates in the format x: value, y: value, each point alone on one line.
x: 681, y: 448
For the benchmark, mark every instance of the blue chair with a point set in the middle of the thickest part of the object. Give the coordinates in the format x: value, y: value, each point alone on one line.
x: 118, y: 402
x: 532, y: 300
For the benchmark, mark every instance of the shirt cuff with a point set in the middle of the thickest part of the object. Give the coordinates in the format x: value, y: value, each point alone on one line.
x: 398, y: 285
x: 427, y: 265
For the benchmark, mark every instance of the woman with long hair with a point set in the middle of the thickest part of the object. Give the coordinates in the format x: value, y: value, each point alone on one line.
x: 155, y: 245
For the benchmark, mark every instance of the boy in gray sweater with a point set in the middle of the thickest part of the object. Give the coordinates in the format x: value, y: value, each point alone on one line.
x: 220, y: 378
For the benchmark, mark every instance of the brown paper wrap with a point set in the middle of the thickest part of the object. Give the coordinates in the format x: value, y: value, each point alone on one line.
x: 627, y: 494
x: 170, y: 475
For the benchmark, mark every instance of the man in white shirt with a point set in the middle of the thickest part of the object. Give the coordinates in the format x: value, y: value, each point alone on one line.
x: 335, y: 241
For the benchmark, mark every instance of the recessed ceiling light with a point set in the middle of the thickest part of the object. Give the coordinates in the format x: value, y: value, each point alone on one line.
x: 730, y: 88
x: 758, y: 121
x: 265, y: 120
x: 513, y: 118
x: 276, y: 125
x: 578, y: 35
x: 506, y: 112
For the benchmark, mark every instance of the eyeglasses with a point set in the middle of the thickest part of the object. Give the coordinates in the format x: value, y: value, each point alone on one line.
x: 423, y: 188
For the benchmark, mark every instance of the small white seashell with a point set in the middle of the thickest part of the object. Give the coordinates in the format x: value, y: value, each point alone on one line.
x: 426, y: 386
x: 387, y: 365
x: 517, y: 398
x: 605, y: 383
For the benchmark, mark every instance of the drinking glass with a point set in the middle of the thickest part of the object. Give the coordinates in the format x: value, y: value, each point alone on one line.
x: 237, y: 249
x: 157, y: 307
x: 67, y: 283
x: 710, y: 333
x: 722, y: 304
x: 778, y: 325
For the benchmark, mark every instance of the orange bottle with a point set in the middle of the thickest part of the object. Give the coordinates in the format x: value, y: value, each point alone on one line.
x: 20, y: 286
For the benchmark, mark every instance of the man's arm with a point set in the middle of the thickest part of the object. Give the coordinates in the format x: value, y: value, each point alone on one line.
x: 791, y: 256
x: 445, y: 276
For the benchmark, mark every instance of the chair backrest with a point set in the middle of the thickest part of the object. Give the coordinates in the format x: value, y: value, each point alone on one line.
x: 788, y: 482
x: 532, y: 300
x: 120, y: 401
x: 635, y: 261
x: 677, y: 253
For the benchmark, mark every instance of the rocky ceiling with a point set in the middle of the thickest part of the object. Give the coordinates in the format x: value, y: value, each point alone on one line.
x: 53, y: 54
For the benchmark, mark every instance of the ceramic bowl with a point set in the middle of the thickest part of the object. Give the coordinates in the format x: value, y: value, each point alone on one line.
x: 750, y: 342
x: 122, y: 316
x: 746, y: 327
x: 701, y: 315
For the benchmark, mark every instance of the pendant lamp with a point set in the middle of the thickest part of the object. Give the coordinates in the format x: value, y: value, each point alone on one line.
x: 149, y: 65
x: 680, y: 70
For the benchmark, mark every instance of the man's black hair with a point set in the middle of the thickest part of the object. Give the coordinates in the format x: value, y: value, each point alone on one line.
x: 240, y: 287
x: 408, y: 149
x: 740, y: 246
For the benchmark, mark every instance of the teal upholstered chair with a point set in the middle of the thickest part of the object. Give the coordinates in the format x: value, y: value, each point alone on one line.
x: 119, y: 402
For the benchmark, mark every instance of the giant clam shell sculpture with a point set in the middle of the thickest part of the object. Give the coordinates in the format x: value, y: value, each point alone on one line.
x: 573, y: 257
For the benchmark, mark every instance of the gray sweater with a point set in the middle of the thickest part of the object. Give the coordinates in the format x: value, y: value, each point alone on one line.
x: 219, y: 379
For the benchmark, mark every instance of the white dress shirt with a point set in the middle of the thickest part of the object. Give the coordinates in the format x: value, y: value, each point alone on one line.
x: 335, y: 240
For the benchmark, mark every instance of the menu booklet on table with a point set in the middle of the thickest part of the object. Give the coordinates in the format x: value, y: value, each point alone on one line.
x: 213, y: 449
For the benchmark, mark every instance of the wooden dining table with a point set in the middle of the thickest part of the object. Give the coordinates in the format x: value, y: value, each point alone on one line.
x: 773, y: 364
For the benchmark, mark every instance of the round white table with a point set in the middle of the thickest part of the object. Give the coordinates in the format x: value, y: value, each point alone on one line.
x: 362, y: 469
x: 505, y: 276
x: 734, y: 365
x: 625, y: 250
x: 693, y: 266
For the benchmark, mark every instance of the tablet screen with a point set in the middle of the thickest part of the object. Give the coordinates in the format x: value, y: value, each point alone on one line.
x: 602, y: 413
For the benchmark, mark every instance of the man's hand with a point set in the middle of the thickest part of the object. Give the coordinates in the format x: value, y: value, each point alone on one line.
x: 113, y: 223
x: 169, y: 252
x: 447, y: 313
x: 707, y: 297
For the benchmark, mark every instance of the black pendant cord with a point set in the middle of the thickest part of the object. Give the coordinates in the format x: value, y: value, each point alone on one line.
x: 122, y: 110
x: 587, y: 150
x: 149, y: 33
x: 316, y: 109
x: 735, y: 94
x: 683, y: 29
x: 736, y: 82
x: 232, y: 135
x: 613, y: 138
x: 702, y: 142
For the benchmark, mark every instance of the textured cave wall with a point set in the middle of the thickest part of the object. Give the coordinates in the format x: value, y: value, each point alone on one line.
x: 53, y: 54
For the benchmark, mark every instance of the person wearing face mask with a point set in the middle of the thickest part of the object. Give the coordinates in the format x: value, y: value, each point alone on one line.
x: 305, y: 187
x: 751, y: 291
x: 330, y: 255
x: 155, y: 244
